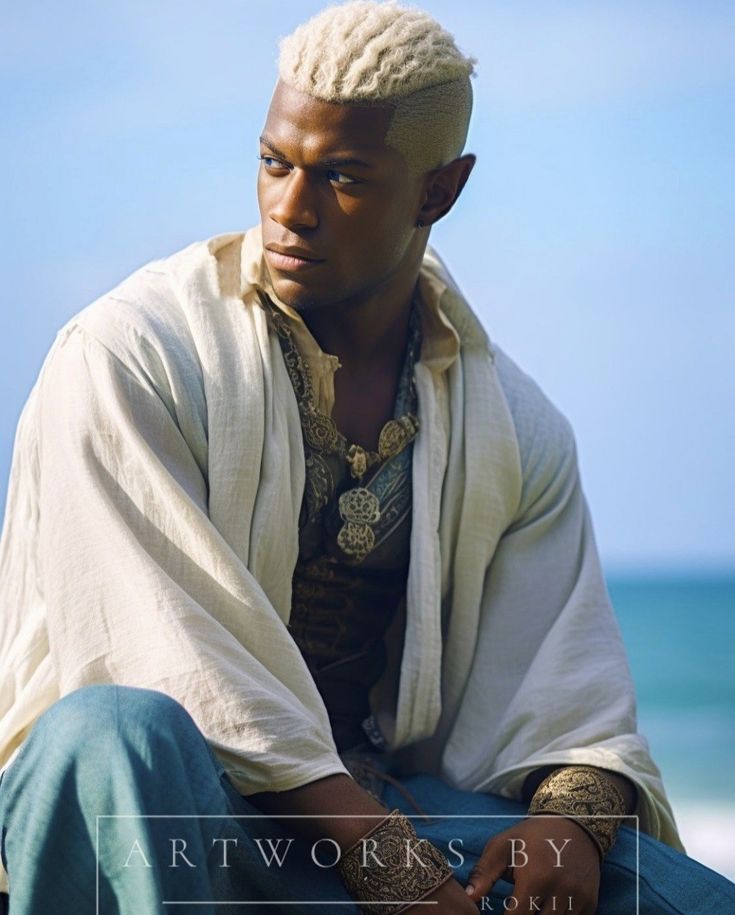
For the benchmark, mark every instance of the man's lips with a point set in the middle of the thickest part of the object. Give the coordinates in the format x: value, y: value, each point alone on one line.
x: 291, y: 259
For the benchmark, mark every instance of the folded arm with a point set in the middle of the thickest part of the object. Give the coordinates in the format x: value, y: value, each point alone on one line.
x: 140, y: 586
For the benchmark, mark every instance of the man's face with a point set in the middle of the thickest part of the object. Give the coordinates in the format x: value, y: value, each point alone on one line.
x: 338, y: 207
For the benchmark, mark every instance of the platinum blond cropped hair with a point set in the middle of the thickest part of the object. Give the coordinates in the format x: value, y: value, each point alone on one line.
x: 371, y: 53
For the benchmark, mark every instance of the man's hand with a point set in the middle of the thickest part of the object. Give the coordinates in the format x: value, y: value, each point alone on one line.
x: 340, y: 794
x: 553, y: 863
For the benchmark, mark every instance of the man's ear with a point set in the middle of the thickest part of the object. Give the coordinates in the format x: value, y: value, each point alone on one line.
x: 443, y: 187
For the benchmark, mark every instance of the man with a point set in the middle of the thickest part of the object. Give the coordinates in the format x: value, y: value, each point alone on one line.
x: 280, y: 512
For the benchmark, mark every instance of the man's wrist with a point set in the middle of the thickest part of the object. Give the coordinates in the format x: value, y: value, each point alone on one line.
x: 334, y: 807
x: 586, y: 796
x: 625, y: 786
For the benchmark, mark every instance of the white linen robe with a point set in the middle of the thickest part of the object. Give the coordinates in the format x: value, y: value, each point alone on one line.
x: 151, y: 534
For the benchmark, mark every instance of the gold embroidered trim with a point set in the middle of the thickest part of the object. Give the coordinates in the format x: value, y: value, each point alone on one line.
x: 407, y: 868
x: 359, y: 508
x: 585, y: 795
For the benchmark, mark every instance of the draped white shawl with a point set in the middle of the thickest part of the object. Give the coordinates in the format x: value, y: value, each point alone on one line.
x: 151, y: 533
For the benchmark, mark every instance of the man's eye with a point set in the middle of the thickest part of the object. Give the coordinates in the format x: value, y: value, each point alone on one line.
x: 339, y: 177
x: 272, y: 162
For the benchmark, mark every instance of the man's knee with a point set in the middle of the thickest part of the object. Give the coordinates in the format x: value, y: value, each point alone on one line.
x: 104, y: 709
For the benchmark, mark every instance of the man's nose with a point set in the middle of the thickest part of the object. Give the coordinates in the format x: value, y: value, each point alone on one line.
x: 295, y: 206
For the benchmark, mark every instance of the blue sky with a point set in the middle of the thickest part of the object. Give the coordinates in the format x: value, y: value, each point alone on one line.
x: 595, y: 238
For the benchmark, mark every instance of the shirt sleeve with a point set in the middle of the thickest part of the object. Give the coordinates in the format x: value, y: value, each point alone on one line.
x: 550, y: 681
x: 140, y: 587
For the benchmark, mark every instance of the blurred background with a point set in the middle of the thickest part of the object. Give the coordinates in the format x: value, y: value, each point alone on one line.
x: 595, y: 239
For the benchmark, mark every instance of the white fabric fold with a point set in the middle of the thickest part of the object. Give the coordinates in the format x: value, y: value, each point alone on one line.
x: 151, y: 534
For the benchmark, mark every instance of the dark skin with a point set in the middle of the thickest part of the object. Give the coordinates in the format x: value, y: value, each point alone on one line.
x: 540, y: 879
x: 329, y: 186
x: 345, y: 224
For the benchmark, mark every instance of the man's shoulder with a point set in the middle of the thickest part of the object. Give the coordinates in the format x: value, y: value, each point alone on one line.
x: 546, y: 441
x: 147, y: 301
x: 541, y: 429
x: 149, y: 313
x: 534, y: 414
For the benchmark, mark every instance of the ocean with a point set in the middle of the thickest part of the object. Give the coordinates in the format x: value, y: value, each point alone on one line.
x: 680, y: 634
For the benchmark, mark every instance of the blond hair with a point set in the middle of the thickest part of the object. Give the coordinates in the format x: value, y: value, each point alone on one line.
x: 370, y: 53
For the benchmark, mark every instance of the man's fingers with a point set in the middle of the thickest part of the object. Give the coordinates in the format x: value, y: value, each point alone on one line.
x: 492, y: 865
x: 529, y: 898
x: 546, y: 899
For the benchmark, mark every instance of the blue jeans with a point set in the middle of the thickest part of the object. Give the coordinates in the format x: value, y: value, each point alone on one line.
x: 117, y: 805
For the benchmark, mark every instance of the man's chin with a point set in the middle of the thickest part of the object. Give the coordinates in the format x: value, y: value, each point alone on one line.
x: 296, y: 295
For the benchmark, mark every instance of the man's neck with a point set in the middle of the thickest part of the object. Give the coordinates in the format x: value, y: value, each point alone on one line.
x: 367, y: 333
x: 369, y: 338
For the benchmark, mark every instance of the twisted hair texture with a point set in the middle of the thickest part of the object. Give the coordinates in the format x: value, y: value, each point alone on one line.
x: 367, y: 52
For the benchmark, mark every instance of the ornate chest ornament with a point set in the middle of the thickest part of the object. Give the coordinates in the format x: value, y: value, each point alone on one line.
x: 359, y: 508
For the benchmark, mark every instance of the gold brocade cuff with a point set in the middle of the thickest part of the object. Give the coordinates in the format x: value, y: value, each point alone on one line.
x: 406, y: 870
x: 585, y: 795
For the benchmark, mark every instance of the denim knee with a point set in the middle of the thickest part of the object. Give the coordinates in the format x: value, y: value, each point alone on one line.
x: 99, y: 709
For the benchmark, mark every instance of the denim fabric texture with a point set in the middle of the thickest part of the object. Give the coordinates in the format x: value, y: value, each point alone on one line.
x: 103, y: 756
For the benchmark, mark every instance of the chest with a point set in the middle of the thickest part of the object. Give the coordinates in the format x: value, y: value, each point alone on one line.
x: 363, y: 404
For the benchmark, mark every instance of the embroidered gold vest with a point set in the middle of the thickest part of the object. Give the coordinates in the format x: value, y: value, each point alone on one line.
x: 354, y: 543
